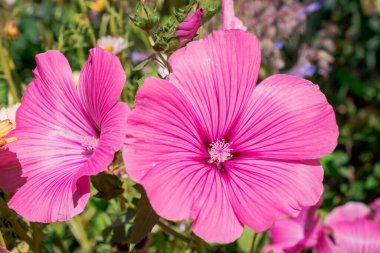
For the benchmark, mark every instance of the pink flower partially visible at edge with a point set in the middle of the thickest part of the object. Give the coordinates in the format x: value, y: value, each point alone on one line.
x: 209, y: 145
x: 230, y: 21
x: 352, y: 229
x: 64, y: 135
x: 188, y: 29
x: 297, y: 234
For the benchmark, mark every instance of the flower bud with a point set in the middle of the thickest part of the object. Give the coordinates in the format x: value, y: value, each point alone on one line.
x: 187, y: 30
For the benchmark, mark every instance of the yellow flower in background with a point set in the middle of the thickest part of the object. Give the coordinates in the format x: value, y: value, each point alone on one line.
x: 97, y: 5
x: 5, y: 128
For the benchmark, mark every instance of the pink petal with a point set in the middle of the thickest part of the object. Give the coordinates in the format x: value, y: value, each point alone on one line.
x: 217, y: 75
x: 288, y: 118
x: 48, y: 196
x: 229, y: 19
x: 216, y: 220
x: 10, y: 171
x: 164, y: 151
x: 325, y: 245
x: 284, y: 234
x: 162, y: 126
x: 351, y: 211
x: 357, y: 237
x: 100, y: 84
x: 50, y: 125
x: 112, y: 136
x: 263, y: 191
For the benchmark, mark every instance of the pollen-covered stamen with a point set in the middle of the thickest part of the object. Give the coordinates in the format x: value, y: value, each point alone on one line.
x: 89, y: 144
x: 220, y: 151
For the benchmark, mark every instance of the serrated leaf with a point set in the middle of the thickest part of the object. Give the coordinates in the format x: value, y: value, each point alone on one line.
x: 145, y: 219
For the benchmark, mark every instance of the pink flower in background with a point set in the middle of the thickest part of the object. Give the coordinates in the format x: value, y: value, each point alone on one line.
x: 188, y: 29
x: 297, y: 234
x: 376, y: 207
x: 352, y: 229
x: 350, y: 226
x: 64, y: 135
x: 210, y: 146
x: 230, y: 21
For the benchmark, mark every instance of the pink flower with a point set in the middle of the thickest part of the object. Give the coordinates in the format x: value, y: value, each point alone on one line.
x: 188, y: 29
x: 230, y: 21
x: 64, y: 135
x: 376, y: 206
x: 297, y: 234
x: 352, y: 230
x: 210, y: 146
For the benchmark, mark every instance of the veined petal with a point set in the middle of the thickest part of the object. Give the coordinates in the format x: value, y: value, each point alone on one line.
x: 114, y: 128
x: 10, y: 171
x: 351, y: 211
x: 217, y: 75
x: 100, y: 84
x: 357, y: 237
x: 162, y: 126
x: 216, y: 220
x: 287, y: 118
x: 263, y: 191
x: 285, y: 234
x: 48, y: 196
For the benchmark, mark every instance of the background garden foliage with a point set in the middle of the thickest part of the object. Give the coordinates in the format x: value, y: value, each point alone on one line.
x: 334, y: 43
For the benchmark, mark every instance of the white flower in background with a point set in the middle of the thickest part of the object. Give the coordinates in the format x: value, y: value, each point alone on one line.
x: 9, y: 113
x: 10, y: 2
x: 112, y: 44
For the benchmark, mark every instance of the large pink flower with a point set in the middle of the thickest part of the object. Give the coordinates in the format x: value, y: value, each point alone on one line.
x: 209, y: 145
x: 64, y: 135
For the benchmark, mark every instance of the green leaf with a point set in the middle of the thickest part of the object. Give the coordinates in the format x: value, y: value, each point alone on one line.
x: 142, y: 64
x: 145, y: 219
x: 108, y: 186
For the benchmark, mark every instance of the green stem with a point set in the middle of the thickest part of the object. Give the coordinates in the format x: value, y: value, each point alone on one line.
x: 2, y: 242
x: 78, y: 230
x: 171, y: 231
x: 91, y: 32
x: 7, y: 73
x: 200, y: 245
x: 37, y: 238
x: 61, y: 242
x: 7, y: 213
x: 253, y: 248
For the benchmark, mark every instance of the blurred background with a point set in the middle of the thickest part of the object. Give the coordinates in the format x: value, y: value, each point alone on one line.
x: 334, y: 43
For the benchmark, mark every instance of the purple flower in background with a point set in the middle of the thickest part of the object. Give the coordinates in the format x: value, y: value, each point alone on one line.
x: 313, y: 7
x: 304, y: 70
x: 187, y: 30
x: 137, y: 57
x: 277, y: 45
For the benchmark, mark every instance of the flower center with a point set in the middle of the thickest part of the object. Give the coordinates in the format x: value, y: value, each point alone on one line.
x: 108, y: 48
x: 220, y: 151
x: 89, y: 144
